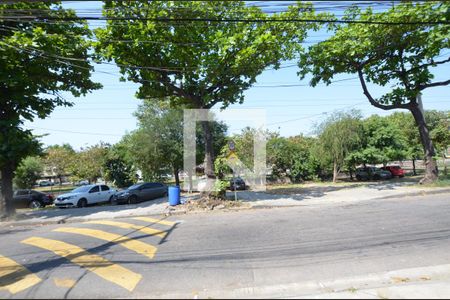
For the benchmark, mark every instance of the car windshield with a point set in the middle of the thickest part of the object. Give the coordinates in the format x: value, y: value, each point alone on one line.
x: 135, y: 186
x: 82, y: 189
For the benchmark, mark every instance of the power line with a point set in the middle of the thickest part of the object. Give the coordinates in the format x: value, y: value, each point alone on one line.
x: 315, y: 115
x: 230, y: 20
x: 75, y: 132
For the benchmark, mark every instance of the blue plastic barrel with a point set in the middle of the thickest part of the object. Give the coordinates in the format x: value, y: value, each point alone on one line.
x: 174, y: 195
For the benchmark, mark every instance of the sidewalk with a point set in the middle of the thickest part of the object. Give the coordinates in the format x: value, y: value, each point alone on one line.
x: 432, y: 282
x: 305, y: 195
x: 312, y: 195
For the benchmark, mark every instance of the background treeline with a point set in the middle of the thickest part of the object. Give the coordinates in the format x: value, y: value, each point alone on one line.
x: 154, y: 151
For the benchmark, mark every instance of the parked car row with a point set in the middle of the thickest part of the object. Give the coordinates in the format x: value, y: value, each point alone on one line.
x: 96, y: 193
x: 374, y: 173
x: 90, y: 194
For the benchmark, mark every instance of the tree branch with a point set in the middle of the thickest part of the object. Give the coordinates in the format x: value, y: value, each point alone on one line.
x: 372, y: 100
x: 432, y: 63
x: 439, y: 83
x: 165, y: 80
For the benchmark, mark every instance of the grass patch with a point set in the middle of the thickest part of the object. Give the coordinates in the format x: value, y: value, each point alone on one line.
x: 443, y: 181
x: 56, y: 189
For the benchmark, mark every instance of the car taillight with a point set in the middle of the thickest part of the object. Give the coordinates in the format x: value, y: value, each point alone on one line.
x: 50, y: 196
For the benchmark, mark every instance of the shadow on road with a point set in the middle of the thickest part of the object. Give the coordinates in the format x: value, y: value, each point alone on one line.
x: 67, y: 213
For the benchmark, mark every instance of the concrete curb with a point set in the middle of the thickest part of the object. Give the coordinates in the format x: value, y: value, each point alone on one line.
x: 418, y: 193
x: 425, y: 282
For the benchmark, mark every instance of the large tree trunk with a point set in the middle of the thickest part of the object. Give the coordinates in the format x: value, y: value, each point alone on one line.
x: 177, y: 176
x: 209, y: 150
x: 431, y: 170
x: 444, y: 158
x: 7, y: 207
x: 335, y: 172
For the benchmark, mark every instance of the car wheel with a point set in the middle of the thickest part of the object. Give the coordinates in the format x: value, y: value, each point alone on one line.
x: 133, y: 199
x: 82, y: 203
x: 35, y: 204
x: 358, y: 177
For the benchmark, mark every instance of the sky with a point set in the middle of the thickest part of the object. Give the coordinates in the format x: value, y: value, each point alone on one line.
x: 106, y: 115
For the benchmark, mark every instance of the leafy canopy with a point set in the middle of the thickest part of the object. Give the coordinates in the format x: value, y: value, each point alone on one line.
x: 198, y: 63
x: 34, y: 69
x: 28, y: 172
x: 401, y: 56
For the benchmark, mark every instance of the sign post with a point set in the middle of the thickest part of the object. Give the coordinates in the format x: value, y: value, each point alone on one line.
x: 232, y: 147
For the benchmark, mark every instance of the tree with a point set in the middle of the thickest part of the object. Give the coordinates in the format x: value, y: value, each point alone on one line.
x: 292, y: 157
x: 339, y: 135
x: 89, y: 163
x: 157, y: 144
x: 162, y: 128
x: 441, y: 137
x: 405, y: 122
x: 118, y: 166
x: 58, y: 160
x: 384, y: 139
x: 38, y: 60
x: 195, y: 58
x: 398, y: 55
x: 28, y: 172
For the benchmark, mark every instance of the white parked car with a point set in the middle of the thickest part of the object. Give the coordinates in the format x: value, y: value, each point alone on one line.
x: 86, y: 195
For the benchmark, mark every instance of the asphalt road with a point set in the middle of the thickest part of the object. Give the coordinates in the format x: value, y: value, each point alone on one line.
x: 189, y: 255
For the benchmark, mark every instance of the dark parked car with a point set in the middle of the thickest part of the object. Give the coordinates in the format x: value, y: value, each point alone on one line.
x: 31, y: 199
x: 140, y: 192
x: 237, y: 183
x: 372, y: 173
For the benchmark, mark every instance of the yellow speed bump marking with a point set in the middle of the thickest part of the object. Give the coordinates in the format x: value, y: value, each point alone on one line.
x: 15, y: 277
x: 134, y: 245
x: 143, y: 229
x: 66, y: 283
x: 156, y: 221
x: 94, y: 263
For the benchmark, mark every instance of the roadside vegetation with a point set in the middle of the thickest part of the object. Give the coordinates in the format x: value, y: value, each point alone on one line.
x: 201, y: 67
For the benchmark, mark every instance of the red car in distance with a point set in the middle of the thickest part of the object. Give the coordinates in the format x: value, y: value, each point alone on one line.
x: 395, y: 171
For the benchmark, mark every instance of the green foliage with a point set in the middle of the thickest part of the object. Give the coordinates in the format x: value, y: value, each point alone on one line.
x: 292, y: 157
x: 339, y: 135
x: 286, y: 157
x: 31, y: 76
x: 118, y: 166
x: 401, y: 55
x: 58, y: 159
x: 407, y: 126
x: 198, y: 64
x: 89, y: 163
x: 156, y: 147
x: 34, y: 72
x: 28, y: 172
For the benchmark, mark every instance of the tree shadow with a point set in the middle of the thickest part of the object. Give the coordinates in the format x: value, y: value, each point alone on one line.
x: 96, y: 211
